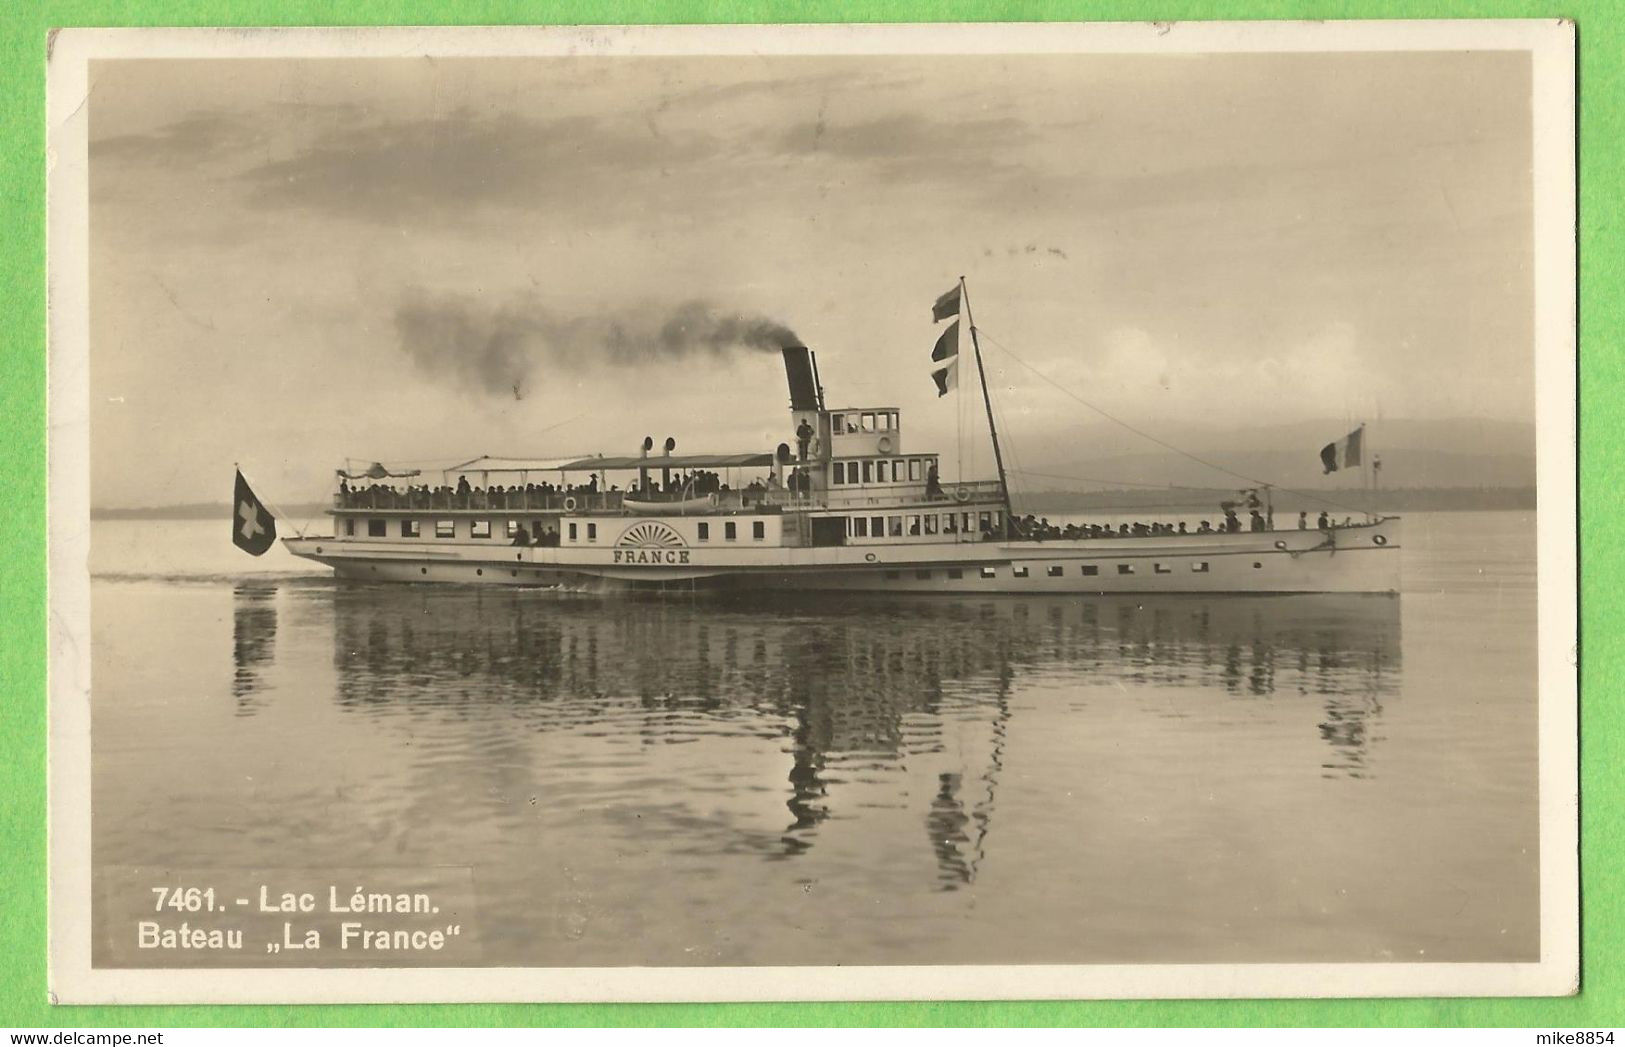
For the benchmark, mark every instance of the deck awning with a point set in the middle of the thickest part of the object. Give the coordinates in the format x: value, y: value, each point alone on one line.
x: 674, y: 461
x: 489, y: 464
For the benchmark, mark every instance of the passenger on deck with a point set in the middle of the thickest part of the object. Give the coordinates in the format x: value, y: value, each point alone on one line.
x: 1257, y: 521
x: 933, y: 483
x: 804, y: 435
x: 1323, y: 523
x: 1204, y: 528
x: 1182, y: 527
x: 1231, y: 524
x: 1303, y: 521
x: 521, y: 536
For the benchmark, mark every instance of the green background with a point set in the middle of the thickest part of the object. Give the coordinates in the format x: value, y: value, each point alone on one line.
x: 23, y: 1000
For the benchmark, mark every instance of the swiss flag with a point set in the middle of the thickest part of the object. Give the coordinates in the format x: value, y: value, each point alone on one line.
x: 253, y: 528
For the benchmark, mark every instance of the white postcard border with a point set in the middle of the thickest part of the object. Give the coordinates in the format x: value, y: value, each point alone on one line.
x: 72, y: 978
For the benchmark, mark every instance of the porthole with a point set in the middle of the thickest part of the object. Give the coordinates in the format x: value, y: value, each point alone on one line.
x: 1257, y: 566
x: 1378, y: 539
x: 318, y: 549
x: 479, y: 570
x: 1280, y: 543
x: 423, y: 570
x: 869, y: 557
x: 518, y: 556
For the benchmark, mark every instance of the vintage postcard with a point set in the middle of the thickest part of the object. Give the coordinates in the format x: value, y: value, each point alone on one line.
x: 813, y: 512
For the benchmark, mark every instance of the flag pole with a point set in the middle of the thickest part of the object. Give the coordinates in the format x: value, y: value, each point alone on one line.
x: 987, y: 401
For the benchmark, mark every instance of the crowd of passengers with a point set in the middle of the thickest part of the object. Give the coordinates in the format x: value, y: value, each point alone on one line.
x: 697, y: 484
x: 1039, y: 529
x: 463, y: 496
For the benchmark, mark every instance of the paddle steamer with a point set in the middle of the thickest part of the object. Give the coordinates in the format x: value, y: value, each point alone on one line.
x: 849, y: 507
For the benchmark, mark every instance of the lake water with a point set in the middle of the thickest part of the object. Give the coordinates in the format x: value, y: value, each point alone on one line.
x: 852, y: 780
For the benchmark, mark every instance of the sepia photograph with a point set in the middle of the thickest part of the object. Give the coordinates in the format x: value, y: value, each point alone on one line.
x: 813, y: 512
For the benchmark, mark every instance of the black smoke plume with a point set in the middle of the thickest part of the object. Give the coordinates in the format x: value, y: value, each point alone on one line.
x: 499, y: 349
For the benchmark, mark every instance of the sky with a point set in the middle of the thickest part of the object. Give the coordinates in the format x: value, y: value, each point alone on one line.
x: 299, y: 262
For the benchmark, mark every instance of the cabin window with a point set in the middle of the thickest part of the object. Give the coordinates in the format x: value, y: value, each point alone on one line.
x: 931, y: 523
x: 989, y: 572
x: 1257, y: 566
x: 877, y: 526
x: 913, y: 468
x: 513, y: 529
x: 1055, y: 570
x: 897, y: 468
x: 758, y: 530
x: 851, y: 472
x: 730, y: 530
x: 837, y: 423
x: 445, y: 528
x: 377, y: 528
x: 411, y: 529
x: 1200, y: 567
x: 704, y: 532
x: 894, y: 526
x: 949, y: 526
x: 984, y: 521
x: 914, y: 526
x: 1125, y: 568
x: 572, y: 532
x: 1019, y: 572
x: 1161, y: 568
x: 964, y: 521
x: 479, y: 529
x: 860, y: 526
x: 592, y: 532
x: 868, y: 421
x: 880, y: 472
x: 837, y: 476
x: 868, y: 472
x: 535, y: 530
x: 349, y: 528
x: 955, y: 573
x: 1090, y: 569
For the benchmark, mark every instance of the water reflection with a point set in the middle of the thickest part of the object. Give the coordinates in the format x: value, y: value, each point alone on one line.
x: 850, y: 690
x: 253, y: 643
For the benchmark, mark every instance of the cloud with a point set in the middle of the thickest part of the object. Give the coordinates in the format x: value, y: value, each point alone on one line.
x: 185, y: 141
x: 464, y: 159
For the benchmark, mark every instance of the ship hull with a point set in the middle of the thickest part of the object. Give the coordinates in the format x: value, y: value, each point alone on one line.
x: 1355, y: 559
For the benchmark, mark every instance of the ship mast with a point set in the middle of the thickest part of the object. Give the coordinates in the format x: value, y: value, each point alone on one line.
x: 987, y: 401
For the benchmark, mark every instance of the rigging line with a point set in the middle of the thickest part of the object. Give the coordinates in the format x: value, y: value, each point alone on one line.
x: 1118, y: 421
x: 1159, y: 442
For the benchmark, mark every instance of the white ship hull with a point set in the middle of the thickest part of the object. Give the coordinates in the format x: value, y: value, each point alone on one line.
x: 1355, y: 559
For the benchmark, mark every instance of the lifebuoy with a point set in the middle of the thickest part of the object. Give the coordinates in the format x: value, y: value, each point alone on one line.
x: 885, y: 445
x: 570, y: 504
x: 962, y: 494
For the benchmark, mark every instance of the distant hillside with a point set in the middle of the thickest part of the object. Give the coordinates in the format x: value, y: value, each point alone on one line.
x: 200, y: 511
x: 1148, y: 500
x: 1438, y: 454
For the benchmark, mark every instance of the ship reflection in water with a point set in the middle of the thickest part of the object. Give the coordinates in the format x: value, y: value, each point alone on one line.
x: 851, y: 693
